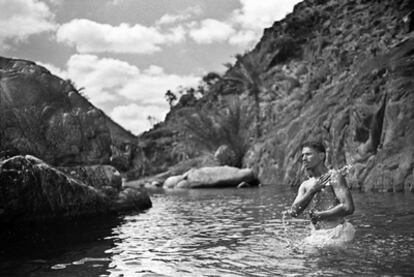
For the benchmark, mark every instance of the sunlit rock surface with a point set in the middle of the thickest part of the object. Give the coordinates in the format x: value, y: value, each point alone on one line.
x: 212, y: 177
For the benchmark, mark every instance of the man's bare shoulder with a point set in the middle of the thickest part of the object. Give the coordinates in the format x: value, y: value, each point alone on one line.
x: 338, y: 180
x: 306, y: 184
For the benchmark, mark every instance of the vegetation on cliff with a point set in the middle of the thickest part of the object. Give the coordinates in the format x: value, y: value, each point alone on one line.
x: 338, y: 71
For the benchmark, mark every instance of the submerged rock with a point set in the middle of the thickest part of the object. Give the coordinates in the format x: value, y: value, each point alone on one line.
x: 212, y: 177
x: 31, y: 190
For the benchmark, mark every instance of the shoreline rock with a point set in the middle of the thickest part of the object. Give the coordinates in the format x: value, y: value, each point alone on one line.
x: 31, y: 191
x: 212, y: 177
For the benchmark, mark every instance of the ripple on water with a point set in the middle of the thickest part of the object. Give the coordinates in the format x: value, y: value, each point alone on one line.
x: 243, y: 233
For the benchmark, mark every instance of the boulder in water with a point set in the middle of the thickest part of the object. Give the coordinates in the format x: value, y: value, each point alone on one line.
x: 31, y: 190
x: 212, y: 177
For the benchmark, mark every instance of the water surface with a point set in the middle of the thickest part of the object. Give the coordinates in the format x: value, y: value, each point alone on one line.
x: 226, y: 232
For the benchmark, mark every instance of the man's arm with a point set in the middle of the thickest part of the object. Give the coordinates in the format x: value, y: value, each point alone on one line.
x: 302, y: 200
x: 346, y: 203
x: 305, y: 194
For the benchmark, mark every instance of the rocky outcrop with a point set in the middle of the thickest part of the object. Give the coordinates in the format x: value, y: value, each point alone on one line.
x: 212, y: 177
x: 355, y: 94
x: 337, y: 71
x: 103, y: 177
x: 45, y: 116
x: 32, y: 191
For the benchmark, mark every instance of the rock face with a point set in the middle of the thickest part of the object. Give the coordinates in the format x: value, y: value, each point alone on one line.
x: 103, y: 177
x: 212, y: 177
x: 355, y: 94
x: 337, y: 71
x: 31, y: 190
x: 45, y: 116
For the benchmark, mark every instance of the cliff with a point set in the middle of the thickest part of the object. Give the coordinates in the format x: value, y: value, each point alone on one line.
x: 338, y: 71
x: 45, y: 116
x: 353, y: 63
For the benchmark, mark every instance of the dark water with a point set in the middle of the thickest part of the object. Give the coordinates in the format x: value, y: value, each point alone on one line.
x: 219, y: 233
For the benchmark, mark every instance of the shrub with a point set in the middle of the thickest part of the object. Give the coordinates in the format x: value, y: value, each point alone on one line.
x: 212, y: 129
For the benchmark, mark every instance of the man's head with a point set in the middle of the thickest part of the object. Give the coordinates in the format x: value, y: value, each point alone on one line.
x: 313, y: 154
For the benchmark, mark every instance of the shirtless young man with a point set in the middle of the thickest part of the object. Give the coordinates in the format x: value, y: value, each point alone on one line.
x: 325, y: 193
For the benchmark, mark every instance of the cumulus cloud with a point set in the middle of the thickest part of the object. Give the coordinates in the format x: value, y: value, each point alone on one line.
x: 254, y: 16
x: 150, y: 87
x: 147, y: 92
x: 244, y: 37
x: 135, y: 117
x: 260, y: 14
x: 54, y: 70
x: 92, y: 37
x: 175, y: 35
x: 55, y: 2
x: 107, y: 81
x: 21, y: 18
x: 101, y: 78
x: 244, y: 25
x: 211, y: 30
x: 184, y: 15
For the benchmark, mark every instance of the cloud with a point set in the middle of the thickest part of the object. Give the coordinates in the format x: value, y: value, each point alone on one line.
x: 147, y: 92
x: 175, y: 35
x: 54, y: 70
x: 261, y: 14
x: 211, y: 30
x: 55, y: 2
x: 254, y: 16
x: 244, y: 37
x: 101, y: 78
x: 21, y: 18
x: 92, y: 37
x: 168, y: 19
x: 108, y: 82
x: 243, y: 26
x: 150, y: 87
x: 134, y: 117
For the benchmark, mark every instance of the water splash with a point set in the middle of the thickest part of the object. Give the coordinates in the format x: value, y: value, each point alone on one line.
x: 335, y: 173
x: 284, y: 226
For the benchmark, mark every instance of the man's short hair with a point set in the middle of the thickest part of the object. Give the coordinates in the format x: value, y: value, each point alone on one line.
x: 317, y: 145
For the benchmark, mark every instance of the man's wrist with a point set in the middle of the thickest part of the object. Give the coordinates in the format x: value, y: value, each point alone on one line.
x: 314, y: 216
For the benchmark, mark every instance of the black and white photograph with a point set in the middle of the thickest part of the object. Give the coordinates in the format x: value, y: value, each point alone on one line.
x: 206, y: 138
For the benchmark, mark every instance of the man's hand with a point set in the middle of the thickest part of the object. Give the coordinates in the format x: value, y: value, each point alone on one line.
x: 321, y: 183
x: 314, y: 217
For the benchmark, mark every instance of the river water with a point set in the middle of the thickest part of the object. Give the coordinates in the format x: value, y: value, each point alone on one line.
x: 226, y: 232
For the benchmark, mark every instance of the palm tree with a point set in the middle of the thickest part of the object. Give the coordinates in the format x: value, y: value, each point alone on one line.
x: 246, y: 72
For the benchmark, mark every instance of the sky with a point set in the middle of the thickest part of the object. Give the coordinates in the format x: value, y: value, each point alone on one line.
x: 126, y: 54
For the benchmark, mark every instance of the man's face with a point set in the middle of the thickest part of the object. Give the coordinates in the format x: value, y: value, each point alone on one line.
x: 311, y: 158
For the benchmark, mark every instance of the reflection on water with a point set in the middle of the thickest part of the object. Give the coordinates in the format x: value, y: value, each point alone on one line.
x: 224, y: 233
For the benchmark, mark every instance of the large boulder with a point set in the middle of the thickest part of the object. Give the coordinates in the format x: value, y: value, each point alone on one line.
x: 172, y: 181
x: 103, y: 177
x: 31, y: 190
x: 212, y: 177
